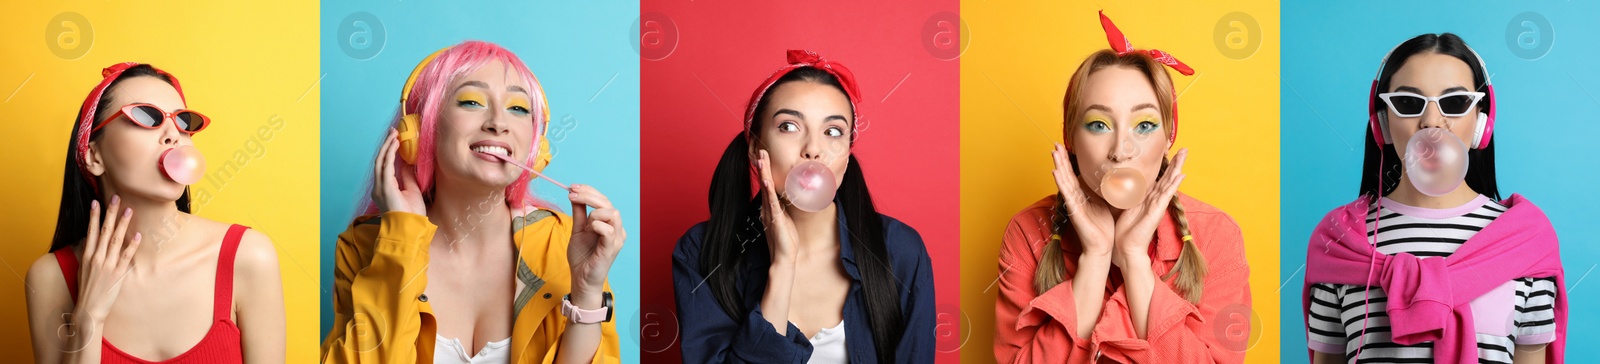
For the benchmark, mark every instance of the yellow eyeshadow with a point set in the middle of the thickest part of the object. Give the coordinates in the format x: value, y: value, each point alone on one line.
x: 520, y: 102
x: 472, y: 96
x: 1091, y: 118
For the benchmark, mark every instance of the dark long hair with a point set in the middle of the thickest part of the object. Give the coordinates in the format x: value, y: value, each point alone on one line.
x: 735, y: 221
x: 72, y: 222
x: 1480, y: 172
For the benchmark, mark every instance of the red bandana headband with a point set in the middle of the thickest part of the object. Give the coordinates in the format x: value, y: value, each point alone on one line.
x: 1122, y: 46
x: 91, y: 104
x: 803, y: 58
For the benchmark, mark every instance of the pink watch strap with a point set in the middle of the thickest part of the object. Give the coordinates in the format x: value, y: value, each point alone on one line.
x: 581, y: 316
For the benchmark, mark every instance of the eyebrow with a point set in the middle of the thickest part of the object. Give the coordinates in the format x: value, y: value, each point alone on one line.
x: 1107, y: 109
x: 480, y: 84
x: 472, y: 83
x: 789, y: 112
x: 1419, y: 91
x: 803, y: 116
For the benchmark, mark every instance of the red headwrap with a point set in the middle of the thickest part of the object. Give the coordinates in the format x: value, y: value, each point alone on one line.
x: 91, y: 103
x: 803, y: 58
x: 1122, y: 46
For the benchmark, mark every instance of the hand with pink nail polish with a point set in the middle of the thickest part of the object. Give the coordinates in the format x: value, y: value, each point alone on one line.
x: 107, y: 256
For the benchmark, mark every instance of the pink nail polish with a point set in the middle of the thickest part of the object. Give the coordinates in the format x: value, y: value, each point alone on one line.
x: 115, y: 199
x: 136, y: 236
x: 128, y: 211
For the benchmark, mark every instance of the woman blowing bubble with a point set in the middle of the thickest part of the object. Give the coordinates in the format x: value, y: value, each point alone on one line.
x: 147, y: 281
x: 1428, y: 263
x: 1119, y: 265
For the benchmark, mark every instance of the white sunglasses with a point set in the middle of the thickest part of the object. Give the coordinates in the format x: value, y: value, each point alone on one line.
x: 1410, y: 105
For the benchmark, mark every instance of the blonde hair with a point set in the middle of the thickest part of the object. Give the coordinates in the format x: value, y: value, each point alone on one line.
x: 1191, y: 267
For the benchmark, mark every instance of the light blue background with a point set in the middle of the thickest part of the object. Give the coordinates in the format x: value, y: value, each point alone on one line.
x: 581, y: 53
x: 1545, y: 133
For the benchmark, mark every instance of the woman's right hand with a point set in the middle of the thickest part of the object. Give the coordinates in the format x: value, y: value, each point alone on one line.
x: 107, y: 257
x: 391, y: 191
x: 782, y: 237
x: 1091, y: 217
x: 783, y: 240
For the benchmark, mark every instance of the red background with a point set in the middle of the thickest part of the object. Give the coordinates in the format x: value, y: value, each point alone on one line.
x: 692, y: 100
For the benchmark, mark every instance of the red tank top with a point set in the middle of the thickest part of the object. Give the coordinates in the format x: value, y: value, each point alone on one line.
x: 220, y: 345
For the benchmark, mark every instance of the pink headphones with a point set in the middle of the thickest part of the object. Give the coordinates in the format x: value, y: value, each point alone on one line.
x: 1378, y: 115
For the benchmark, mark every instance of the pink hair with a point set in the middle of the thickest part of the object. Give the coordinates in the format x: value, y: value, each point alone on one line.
x: 430, y: 90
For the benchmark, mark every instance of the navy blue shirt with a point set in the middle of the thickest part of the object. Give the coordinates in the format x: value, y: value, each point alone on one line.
x: 711, y: 336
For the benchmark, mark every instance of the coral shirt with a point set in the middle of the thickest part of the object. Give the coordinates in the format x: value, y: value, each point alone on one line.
x: 1041, y: 328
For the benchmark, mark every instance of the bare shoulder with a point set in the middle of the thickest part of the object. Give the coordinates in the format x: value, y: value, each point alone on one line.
x: 257, y: 254
x: 45, y: 279
x: 45, y: 269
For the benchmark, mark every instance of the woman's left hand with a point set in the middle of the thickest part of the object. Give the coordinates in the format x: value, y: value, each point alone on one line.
x: 1136, y: 227
x: 597, y: 237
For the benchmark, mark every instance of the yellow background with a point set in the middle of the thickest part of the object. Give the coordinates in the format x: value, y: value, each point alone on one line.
x: 1013, y: 76
x: 246, y: 65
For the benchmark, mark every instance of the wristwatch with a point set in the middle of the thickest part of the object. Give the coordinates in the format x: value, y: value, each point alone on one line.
x: 581, y: 316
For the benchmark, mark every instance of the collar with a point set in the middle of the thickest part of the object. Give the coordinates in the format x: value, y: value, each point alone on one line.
x: 846, y: 253
x: 542, y: 275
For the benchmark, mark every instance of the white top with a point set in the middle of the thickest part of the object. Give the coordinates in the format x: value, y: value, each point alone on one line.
x: 827, y: 346
x: 450, y: 351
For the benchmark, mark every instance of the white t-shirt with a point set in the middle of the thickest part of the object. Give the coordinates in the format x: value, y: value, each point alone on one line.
x: 827, y: 346
x: 450, y: 351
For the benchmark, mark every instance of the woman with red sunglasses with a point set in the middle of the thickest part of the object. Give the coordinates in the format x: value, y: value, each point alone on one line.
x: 147, y: 281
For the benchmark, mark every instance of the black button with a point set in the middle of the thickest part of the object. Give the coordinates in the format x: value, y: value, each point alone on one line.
x: 547, y: 296
x: 424, y: 298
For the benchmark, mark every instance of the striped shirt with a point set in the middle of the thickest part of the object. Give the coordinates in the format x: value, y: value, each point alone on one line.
x: 1519, y: 312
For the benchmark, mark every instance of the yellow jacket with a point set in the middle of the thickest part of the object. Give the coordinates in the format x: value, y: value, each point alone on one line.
x: 381, y: 316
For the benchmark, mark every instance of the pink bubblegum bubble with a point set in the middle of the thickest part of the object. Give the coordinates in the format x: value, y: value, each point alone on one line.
x: 183, y: 164
x: 810, y: 186
x: 1436, y: 161
x: 1124, y: 188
